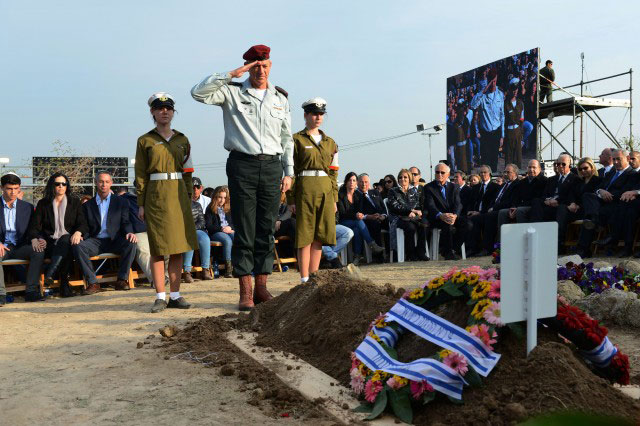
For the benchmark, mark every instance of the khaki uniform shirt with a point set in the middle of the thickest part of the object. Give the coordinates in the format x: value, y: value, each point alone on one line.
x: 251, y: 126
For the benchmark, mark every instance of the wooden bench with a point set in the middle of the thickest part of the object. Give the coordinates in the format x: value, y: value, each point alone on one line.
x: 103, y: 278
x: 13, y: 286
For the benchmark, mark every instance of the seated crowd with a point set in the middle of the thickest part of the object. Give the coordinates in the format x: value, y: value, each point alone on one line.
x: 468, y: 210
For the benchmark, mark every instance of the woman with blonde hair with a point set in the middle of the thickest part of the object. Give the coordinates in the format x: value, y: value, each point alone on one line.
x: 220, y: 225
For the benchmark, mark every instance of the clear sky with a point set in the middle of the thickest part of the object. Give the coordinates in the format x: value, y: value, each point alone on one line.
x: 82, y: 71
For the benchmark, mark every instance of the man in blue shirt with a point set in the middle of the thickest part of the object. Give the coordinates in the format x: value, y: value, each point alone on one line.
x: 14, y: 244
x: 110, y: 231
x: 490, y: 106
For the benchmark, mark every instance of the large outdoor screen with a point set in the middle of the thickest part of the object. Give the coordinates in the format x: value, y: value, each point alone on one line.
x: 492, y: 114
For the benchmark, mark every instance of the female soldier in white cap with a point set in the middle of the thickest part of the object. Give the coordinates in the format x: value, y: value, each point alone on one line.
x: 315, y: 189
x: 163, y: 183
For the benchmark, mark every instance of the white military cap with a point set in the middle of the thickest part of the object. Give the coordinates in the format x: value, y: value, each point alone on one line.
x: 514, y: 81
x: 161, y: 99
x: 315, y: 105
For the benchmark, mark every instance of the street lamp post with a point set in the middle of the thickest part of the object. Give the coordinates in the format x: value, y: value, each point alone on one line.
x: 430, y: 131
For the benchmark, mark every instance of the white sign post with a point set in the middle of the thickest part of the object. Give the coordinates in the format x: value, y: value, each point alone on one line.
x: 528, y: 275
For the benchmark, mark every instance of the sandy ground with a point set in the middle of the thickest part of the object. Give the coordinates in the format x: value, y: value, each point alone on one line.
x: 75, y: 361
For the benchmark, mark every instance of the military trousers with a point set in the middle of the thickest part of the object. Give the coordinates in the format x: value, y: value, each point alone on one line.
x: 254, y: 190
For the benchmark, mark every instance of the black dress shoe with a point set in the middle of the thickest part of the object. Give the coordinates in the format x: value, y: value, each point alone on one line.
x: 178, y: 303
x: 588, y: 224
x: 3, y: 300
x: 583, y: 253
x: 423, y: 258
x: 33, y: 296
x: 451, y: 256
x: 625, y: 253
x: 65, y: 290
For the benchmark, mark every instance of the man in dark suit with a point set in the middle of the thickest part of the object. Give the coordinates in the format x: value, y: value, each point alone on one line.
x: 484, y: 196
x: 443, y: 208
x: 558, y: 201
x: 14, y: 242
x: 600, y: 206
x: 526, y: 190
x: 375, y: 214
x: 626, y: 216
x: 606, y: 161
x: 503, y: 201
x: 466, y: 192
x: 110, y: 231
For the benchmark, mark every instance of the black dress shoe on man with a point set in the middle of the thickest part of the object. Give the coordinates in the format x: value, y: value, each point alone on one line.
x: 625, y: 253
x: 33, y: 296
x: 450, y: 256
x: 588, y: 224
x: 423, y: 257
x: 178, y: 303
x: 3, y: 300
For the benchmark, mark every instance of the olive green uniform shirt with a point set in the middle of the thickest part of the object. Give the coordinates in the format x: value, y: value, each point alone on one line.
x: 167, y: 203
x: 314, y: 196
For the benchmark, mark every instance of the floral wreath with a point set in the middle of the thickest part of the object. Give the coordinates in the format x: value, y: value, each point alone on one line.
x: 481, y: 288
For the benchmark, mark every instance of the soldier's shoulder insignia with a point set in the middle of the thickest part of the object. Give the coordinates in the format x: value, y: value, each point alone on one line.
x: 235, y: 83
x: 281, y: 90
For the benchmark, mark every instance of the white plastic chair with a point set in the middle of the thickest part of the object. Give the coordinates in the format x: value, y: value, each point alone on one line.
x: 435, y: 245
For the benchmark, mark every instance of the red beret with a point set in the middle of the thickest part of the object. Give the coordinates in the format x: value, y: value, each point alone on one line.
x: 259, y: 52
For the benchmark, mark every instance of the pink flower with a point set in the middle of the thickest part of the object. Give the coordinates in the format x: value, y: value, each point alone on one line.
x: 418, y: 388
x: 488, y: 274
x: 397, y: 382
x: 494, y: 293
x: 371, y: 390
x: 492, y: 314
x: 482, y: 332
x: 456, y: 362
x: 357, y: 381
x: 355, y: 362
x: 450, y: 273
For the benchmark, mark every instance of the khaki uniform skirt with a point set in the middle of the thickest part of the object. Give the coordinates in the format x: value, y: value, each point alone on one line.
x: 315, y: 211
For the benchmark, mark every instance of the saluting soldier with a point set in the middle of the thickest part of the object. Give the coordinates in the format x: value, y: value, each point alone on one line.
x: 315, y: 190
x: 163, y: 184
x: 257, y: 124
x: 513, y: 119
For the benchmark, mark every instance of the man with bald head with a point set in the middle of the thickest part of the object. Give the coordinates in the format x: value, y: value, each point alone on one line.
x: 634, y: 161
x: 443, y: 208
x: 606, y: 161
x: 528, y: 189
x: 600, y: 207
x: 558, y: 202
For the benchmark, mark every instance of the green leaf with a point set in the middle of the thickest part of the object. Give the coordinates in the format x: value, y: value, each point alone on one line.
x: 427, y: 397
x: 471, y: 302
x: 401, y: 405
x: 365, y: 407
x: 455, y: 401
x: 379, y: 405
x: 473, y: 377
x: 391, y: 351
x: 452, y: 290
x: 517, y: 329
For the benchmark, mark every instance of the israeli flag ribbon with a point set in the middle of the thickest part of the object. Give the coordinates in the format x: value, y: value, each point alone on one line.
x: 388, y: 335
x: 443, y: 333
x: 602, y: 354
x: 443, y: 378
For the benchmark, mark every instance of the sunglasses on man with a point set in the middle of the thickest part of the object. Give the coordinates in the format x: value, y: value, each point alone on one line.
x: 60, y: 183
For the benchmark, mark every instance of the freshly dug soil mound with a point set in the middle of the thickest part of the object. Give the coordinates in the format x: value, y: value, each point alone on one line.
x: 323, y: 322
x: 206, y: 339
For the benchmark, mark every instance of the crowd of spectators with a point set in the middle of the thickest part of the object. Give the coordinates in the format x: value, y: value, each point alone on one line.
x: 468, y: 209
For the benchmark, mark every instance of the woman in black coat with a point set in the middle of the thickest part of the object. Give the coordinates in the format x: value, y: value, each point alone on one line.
x: 405, y: 212
x: 57, y: 224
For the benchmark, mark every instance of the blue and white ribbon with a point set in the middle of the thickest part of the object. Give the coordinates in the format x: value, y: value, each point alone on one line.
x: 601, y: 356
x: 443, y: 333
x: 388, y: 335
x: 443, y: 378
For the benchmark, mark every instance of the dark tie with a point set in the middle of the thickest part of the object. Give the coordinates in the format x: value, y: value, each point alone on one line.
x: 612, y: 180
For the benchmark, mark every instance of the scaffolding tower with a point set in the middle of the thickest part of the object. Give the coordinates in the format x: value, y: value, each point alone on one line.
x: 577, y: 106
